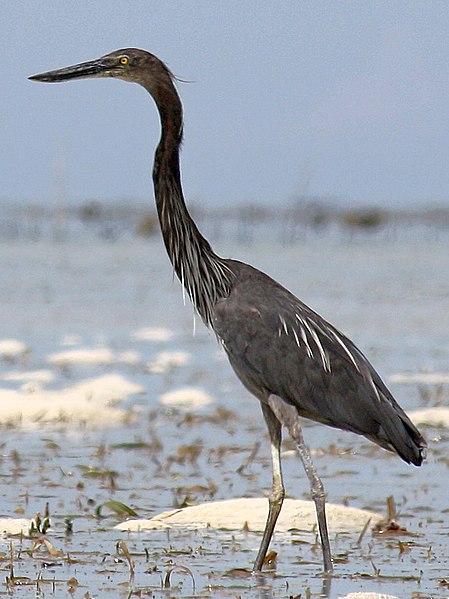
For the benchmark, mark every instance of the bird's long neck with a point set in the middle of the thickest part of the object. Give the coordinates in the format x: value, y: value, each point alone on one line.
x: 205, y: 276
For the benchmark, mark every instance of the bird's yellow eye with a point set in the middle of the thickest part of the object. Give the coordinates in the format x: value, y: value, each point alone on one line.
x: 124, y: 60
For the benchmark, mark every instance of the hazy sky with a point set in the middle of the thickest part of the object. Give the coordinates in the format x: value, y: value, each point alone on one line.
x: 348, y: 99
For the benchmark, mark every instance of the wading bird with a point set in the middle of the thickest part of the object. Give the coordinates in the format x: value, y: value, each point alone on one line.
x: 289, y: 357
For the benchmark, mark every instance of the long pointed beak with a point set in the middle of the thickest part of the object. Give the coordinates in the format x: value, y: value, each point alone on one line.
x: 93, y: 68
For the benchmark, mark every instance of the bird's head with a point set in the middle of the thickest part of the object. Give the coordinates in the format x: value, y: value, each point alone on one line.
x: 130, y: 64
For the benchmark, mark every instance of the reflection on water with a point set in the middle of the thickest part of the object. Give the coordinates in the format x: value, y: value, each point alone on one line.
x: 117, y: 305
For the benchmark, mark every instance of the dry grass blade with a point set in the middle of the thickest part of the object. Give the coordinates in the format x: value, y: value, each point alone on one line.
x: 238, y: 573
x: 48, y: 546
x: 52, y: 549
x: 391, y: 508
x: 247, y: 463
x: 363, y: 532
x: 389, y: 526
x: 179, y: 568
x: 122, y: 548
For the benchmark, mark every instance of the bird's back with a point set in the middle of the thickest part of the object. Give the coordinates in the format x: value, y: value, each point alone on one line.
x: 278, y: 345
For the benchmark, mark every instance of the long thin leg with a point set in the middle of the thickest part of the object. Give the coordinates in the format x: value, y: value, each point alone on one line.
x: 317, y: 491
x: 277, y: 494
x: 289, y: 417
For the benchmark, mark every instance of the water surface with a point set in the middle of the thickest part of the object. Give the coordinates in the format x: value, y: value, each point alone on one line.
x: 389, y: 296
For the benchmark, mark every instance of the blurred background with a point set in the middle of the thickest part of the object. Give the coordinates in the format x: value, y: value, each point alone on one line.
x: 341, y: 105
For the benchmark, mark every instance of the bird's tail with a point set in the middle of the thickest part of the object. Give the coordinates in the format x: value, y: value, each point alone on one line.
x: 398, y: 433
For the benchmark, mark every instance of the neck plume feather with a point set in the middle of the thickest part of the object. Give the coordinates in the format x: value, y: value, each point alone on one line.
x: 205, y: 276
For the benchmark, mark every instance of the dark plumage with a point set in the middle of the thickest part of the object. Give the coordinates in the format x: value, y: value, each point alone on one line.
x: 278, y: 345
x: 289, y: 357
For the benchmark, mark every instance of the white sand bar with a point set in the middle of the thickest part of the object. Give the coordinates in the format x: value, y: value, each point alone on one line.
x: 367, y: 596
x: 186, y: 397
x: 99, y: 356
x: 429, y: 378
x: 438, y: 416
x: 152, y: 334
x: 12, y: 347
x: 29, y: 376
x: 14, y: 526
x: 166, y: 361
x: 91, y: 402
x: 243, y: 513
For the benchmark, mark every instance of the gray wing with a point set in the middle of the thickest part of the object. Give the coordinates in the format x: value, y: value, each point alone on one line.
x: 278, y: 345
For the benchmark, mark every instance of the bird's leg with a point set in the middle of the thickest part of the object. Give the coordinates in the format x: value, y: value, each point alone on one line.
x: 317, y: 491
x: 277, y: 494
x: 289, y: 417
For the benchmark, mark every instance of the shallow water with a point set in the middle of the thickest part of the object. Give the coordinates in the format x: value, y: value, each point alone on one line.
x: 390, y: 297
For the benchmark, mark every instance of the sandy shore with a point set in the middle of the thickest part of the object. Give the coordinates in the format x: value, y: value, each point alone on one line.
x: 250, y: 514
